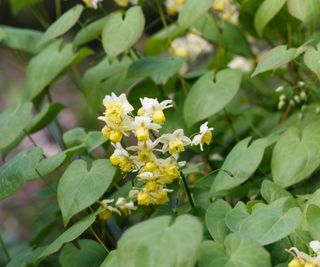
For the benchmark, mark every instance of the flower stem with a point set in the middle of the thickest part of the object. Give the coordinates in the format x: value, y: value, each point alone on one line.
x: 5, y: 249
x: 187, y: 189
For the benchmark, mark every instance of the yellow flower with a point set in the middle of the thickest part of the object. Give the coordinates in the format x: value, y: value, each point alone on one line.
x: 121, y: 158
x: 105, y: 215
x: 144, y: 198
x: 150, y: 167
x: 151, y: 186
x: 160, y: 197
x: 141, y: 127
x: 115, y: 136
x: 175, y: 142
x: 204, y: 137
x: 92, y: 3
x: 123, y: 3
x: 174, y: 6
x: 153, y: 109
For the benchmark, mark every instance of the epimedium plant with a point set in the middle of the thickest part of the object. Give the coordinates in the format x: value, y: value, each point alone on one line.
x: 168, y: 189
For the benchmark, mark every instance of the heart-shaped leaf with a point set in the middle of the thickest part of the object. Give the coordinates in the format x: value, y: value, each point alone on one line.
x: 78, y: 188
x: 161, y: 242
x: 211, y: 93
x: 267, y: 223
x: 236, y: 251
x: 120, y: 34
x: 239, y: 165
x: 296, y: 155
x: 312, y: 59
x: 62, y: 25
x: 90, y: 253
x: 215, y: 219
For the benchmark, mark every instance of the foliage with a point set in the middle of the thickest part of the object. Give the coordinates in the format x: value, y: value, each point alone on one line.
x: 247, y: 68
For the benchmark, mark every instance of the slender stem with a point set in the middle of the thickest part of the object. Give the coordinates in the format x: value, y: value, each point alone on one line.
x: 187, y: 189
x: 58, y: 8
x: 99, y: 240
x: 5, y: 249
x: 163, y: 19
x: 41, y: 20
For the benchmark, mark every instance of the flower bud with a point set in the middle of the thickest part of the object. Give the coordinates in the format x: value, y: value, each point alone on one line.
x: 303, y: 95
x: 142, y: 134
x: 158, y: 117
x: 150, y: 166
x: 295, y: 263
x: 297, y: 99
x: 282, y: 97
x: 115, y: 136
x: 281, y: 104
x: 301, y: 83
x: 279, y: 89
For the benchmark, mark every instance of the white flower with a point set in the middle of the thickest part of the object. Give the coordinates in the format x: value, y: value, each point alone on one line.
x: 175, y: 142
x: 105, y: 204
x: 92, y: 3
x: 241, y: 63
x: 116, y: 107
x: 153, y: 109
x: 191, y: 46
x: 174, y: 6
x: 144, y: 151
x: 315, y: 246
x: 122, y: 158
x: 204, y: 137
x: 141, y: 126
x: 125, y: 206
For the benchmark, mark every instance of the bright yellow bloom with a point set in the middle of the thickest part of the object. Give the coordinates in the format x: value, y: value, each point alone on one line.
x: 141, y: 127
x: 160, y: 197
x: 144, y: 198
x: 115, y: 136
x: 92, y: 3
x: 121, y: 158
x: 151, y: 186
x: 150, y: 167
x: 204, y: 137
x: 123, y: 3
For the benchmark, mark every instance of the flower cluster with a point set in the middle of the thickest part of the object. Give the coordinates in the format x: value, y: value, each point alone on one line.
x: 302, y: 259
x: 227, y: 9
x: 123, y: 3
x: 174, y: 6
x: 154, y: 158
x: 92, y: 3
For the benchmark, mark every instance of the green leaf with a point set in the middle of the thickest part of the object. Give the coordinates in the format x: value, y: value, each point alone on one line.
x: 161, y: 242
x: 50, y: 164
x: 17, y: 5
x: 94, y: 139
x: 62, y: 24
x: 211, y: 93
x: 69, y: 235
x: 120, y: 34
x: 236, y: 251
x: 159, y: 69
x: 267, y: 223
x: 111, y: 260
x: 239, y: 165
x: 277, y: 57
x: 45, y: 117
x: 79, y: 187
x: 266, y: 12
x: 105, y: 78
x: 313, y: 221
x: 312, y: 59
x: 296, y: 155
x: 208, y: 27
x: 89, y: 253
x: 45, y: 67
x: 74, y: 137
x: 193, y: 10
x: 24, y: 258
x: 90, y: 32
x: 21, y: 39
x: 13, y: 122
x: 215, y: 219
x: 271, y: 192
x: 308, y: 11
x: 16, y: 171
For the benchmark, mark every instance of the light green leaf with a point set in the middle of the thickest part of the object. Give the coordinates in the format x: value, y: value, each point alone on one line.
x: 277, y: 57
x: 239, y: 165
x: 193, y: 10
x: 50, y: 164
x: 215, y: 219
x: 21, y: 39
x: 90, y: 253
x: 74, y: 137
x: 313, y: 221
x: 312, y: 59
x: 79, y: 187
x: 17, y: 170
x: 159, y: 69
x: 161, y: 242
x: 267, y: 223
x: 105, y: 78
x: 45, y: 67
x: 90, y: 32
x: 62, y: 24
x: 296, y: 155
x: 120, y: 34
x: 211, y: 93
x: 45, y: 117
x: 308, y: 11
x: 13, y: 122
x: 267, y: 10
x: 208, y: 27
x: 24, y: 258
x: 111, y: 260
x: 70, y: 234
x: 94, y: 139
x: 271, y: 192
x: 235, y: 252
